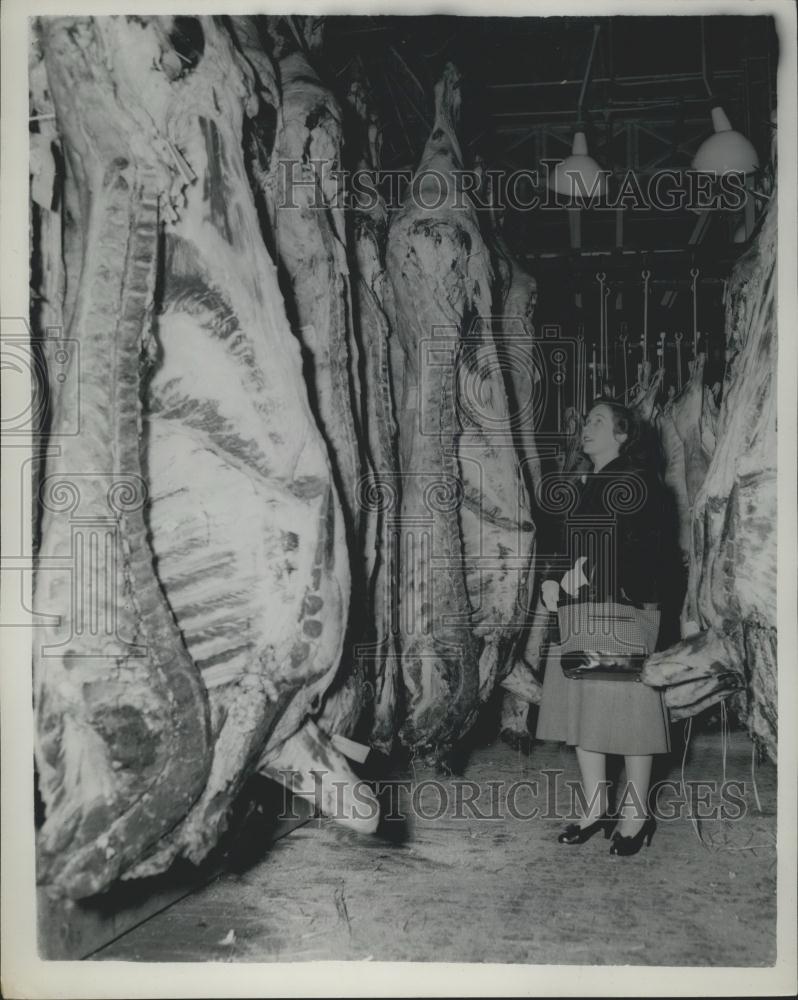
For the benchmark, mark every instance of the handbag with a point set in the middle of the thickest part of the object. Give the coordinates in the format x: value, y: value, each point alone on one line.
x: 606, y: 640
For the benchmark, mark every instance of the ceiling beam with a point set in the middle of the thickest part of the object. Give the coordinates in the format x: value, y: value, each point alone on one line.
x: 619, y: 80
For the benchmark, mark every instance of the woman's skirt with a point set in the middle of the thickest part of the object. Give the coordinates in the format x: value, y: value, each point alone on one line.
x: 608, y: 716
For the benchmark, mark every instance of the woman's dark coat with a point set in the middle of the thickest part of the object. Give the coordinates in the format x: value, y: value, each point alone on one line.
x: 619, y: 521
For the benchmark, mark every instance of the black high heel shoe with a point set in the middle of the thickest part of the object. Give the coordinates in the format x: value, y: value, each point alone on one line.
x: 626, y: 846
x: 575, y: 834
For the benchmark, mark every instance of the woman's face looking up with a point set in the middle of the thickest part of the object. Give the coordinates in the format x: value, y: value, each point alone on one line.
x: 599, y: 438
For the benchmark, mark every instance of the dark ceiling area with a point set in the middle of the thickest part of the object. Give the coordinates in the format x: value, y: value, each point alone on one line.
x: 525, y: 74
x: 646, y: 109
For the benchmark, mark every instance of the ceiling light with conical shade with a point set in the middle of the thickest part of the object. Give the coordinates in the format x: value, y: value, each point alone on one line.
x: 727, y: 151
x: 579, y: 176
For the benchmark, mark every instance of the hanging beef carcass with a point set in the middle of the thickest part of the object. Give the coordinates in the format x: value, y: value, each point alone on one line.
x: 732, y: 581
x: 123, y: 734
x: 709, y: 422
x: 675, y: 473
x: 644, y: 402
x: 684, y: 446
x: 303, y: 196
x: 148, y: 725
x: 464, y: 552
x: 522, y: 364
x: 50, y: 243
x: 379, y: 494
x: 686, y: 412
x: 296, y: 165
x: 685, y: 427
x: 292, y: 753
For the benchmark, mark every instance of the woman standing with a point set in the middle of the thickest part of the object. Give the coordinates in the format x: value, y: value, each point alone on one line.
x: 613, y: 541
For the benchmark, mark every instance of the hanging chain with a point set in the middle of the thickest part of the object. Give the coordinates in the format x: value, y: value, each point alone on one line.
x: 605, y: 351
x: 601, y: 277
x: 694, y: 272
x: 645, y: 274
x: 679, y: 336
x: 579, y: 402
x: 624, y: 337
x: 584, y: 377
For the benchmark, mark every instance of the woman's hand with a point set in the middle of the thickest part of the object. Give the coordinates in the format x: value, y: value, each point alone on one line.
x: 550, y: 594
x: 575, y: 577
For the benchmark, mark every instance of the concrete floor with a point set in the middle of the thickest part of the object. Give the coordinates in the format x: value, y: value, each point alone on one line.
x: 502, y: 890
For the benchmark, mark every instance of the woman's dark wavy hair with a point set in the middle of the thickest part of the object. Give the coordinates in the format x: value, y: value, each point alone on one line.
x: 641, y: 446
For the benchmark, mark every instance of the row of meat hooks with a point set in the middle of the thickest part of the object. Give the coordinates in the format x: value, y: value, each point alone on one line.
x: 604, y: 373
